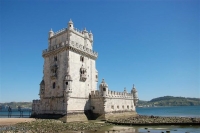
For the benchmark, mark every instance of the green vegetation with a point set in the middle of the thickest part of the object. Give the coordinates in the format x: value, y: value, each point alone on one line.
x: 170, y: 101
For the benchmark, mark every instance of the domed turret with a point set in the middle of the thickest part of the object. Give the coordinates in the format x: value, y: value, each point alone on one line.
x: 67, y: 86
x: 91, y: 36
x: 42, y: 87
x: 103, y: 87
x: 51, y: 33
x: 70, y: 25
x: 135, y: 95
x: 85, y: 32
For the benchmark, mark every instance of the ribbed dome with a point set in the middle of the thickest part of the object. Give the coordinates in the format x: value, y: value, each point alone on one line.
x: 103, y: 83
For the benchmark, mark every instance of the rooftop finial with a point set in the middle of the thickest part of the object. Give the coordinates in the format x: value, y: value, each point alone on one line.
x: 70, y: 21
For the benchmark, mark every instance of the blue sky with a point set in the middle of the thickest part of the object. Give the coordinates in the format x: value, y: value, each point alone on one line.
x: 152, y: 44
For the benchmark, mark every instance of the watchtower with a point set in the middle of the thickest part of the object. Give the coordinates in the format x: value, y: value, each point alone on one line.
x: 69, y: 71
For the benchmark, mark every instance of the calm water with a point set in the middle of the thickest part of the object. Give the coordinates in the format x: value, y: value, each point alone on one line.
x: 15, y: 113
x: 187, y: 111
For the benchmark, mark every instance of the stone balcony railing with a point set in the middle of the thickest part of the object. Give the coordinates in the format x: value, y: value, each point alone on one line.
x: 112, y: 94
x: 71, y: 44
x: 74, y: 30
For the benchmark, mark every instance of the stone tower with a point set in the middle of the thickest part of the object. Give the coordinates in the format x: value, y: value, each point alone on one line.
x: 69, y: 84
x: 69, y: 73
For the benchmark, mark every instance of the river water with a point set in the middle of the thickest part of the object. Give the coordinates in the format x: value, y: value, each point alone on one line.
x: 180, y: 111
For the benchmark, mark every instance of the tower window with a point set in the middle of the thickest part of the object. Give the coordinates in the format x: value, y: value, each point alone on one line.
x: 66, y: 83
x: 54, y: 85
x: 104, y: 89
x: 55, y: 58
x: 82, y: 58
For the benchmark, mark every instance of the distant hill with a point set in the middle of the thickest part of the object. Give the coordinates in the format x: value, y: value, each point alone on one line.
x: 14, y: 105
x: 170, y: 101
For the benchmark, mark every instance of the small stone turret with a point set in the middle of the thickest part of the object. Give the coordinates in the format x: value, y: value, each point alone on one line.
x: 135, y: 95
x: 70, y: 25
x: 103, y: 87
x: 51, y: 33
x: 42, y: 87
x: 85, y: 32
x: 67, y: 86
x: 125, y: 91
x: 91, y: 36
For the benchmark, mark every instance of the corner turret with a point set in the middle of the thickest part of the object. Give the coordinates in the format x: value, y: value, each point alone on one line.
x: 103, y: 87
x: 85, y: 32
x: 51, y: 33
x: 42, y: 87
x: 70, y: 25
x: 67, y: 86
x: 91, y: 37
x: 135, y: 95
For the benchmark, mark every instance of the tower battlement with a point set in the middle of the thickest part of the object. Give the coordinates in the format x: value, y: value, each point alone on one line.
x: 112, y: 94
x: 73, y: 46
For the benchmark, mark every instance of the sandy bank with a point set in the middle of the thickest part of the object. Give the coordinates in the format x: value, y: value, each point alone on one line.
x: 11, y: 121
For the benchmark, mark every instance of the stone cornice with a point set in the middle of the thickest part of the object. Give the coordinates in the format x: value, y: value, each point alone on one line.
x: 78, y: 48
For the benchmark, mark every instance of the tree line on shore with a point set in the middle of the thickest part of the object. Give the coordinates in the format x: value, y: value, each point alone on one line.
x: 170, y: 101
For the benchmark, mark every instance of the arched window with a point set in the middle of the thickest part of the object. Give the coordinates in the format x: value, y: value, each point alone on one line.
x: 66, y: 83
x: 82, y: 59
x: 104, y: 89
x: 54, y: 85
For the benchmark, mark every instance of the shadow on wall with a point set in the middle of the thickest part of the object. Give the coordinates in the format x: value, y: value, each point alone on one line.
x: 88, y: 112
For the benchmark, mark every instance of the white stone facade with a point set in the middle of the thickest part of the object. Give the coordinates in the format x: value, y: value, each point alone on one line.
x: 70, y: 78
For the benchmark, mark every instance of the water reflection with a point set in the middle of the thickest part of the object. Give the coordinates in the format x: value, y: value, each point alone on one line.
x: 146, y: 129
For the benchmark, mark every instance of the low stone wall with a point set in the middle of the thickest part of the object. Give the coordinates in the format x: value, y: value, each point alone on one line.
x: 115, y: 115
x: 87, y: 115
x: 74, y: 118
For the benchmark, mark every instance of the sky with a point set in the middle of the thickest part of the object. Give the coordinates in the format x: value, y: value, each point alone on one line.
x: 152, y: 44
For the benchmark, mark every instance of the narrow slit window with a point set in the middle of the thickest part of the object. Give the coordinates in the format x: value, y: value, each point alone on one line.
x: 54, y: 85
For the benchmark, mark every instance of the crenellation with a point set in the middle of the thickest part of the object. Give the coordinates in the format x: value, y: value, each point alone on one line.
x: 71, y: 45
x: 60, y: 31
